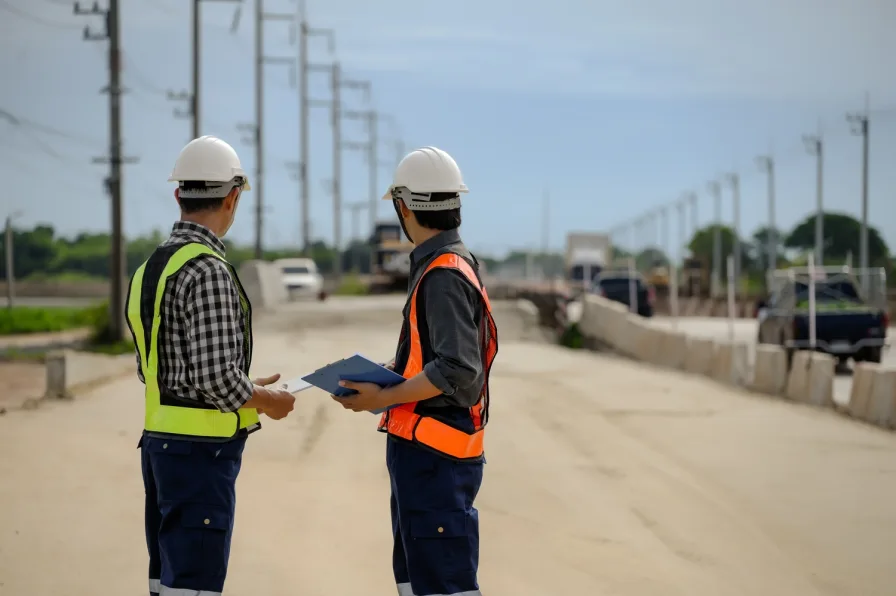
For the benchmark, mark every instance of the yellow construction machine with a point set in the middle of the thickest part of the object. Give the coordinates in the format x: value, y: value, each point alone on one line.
x: 390, y: 258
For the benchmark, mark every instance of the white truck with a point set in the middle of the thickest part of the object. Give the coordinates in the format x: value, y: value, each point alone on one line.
x: 587, y: 254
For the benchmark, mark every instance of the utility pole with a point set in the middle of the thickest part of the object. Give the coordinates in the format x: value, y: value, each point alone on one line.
x: 766, y: 163
x: 665, y: 242
x: 859, y: 124
x: 715, y: 188
x: 815, y: 147
x: 256, y: 129
x: 545, y: 232
x: 118, y: 264
x: 734, y: 181
x: 10, y: 263
x: 305, y: 31
x: 337, y: 83
x: 355, y: 209
x: 682, y: 223
x: 192, y: 97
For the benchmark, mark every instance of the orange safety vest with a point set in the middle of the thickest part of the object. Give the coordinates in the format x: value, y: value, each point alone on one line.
x: 403, y: 421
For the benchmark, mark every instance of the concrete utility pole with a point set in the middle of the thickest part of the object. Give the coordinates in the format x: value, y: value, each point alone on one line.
x: 682, y: 226
x: 665, y: 244
x: 10, y: 263
x: 691, y: 198
x: 118, y: 264
x: 734, y: 181
x: 305, y: 32
x: 256, y: 130
x: 815, y: 147
x: 766, y: 163
x: 355, y: 209
x: 715, y: 189
x: 192, y: 97
x: 337, y: 83
x: 859, y: 124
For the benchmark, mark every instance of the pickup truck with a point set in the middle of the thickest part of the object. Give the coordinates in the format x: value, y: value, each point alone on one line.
x: 845, y: 326
x: 617, y: 287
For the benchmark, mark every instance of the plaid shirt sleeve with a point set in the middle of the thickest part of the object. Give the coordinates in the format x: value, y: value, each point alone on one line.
x: 212, y: 317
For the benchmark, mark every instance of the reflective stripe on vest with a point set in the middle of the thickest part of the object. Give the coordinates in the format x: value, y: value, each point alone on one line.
x: 184, y: 419
x: 403, y: 421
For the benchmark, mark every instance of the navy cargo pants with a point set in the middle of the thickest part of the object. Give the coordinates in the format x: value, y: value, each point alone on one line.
x: 434, y: 523
x: 190, y: 502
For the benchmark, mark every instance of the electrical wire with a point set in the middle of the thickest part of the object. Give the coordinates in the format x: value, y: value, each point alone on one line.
x: 35, y: 19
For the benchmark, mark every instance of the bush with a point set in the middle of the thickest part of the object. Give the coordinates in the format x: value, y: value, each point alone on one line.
x: 572, y: 337
x: 27, y: 319
x: 351, y: 286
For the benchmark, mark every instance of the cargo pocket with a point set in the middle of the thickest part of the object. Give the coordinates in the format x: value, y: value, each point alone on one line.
x: 442, y: 543
x: 206, y: 530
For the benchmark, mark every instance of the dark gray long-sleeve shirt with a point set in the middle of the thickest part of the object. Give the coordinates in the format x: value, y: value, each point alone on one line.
x: 449, y: 316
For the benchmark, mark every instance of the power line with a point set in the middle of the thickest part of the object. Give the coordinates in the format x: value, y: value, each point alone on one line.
x: 35, y: 19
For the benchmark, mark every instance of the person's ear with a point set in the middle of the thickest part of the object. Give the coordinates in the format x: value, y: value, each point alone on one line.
x: 231, y: 199
x: 177, y: 195
x: 405, y: 212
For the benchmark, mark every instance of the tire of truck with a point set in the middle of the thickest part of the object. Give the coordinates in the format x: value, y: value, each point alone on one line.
x: 872, y: 355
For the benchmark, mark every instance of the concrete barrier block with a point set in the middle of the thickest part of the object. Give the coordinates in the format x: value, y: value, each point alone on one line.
x: 770, y: 370
x: 798, y: 378
x: 860, y: 393
x: 730, y: 363
x: 699, y: 357
x: 820, y: 384
x: 648, y: 342
x: 263, y: 283
x: 673, y: 349
x: 882, y: 404
x: 68, y: 371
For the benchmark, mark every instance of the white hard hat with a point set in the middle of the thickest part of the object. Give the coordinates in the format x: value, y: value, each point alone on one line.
x: 425, y: 171
x: 209, y: 159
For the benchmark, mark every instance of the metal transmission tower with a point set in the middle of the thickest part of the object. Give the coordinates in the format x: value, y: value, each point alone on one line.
x: 766, y: 163
x: 734, y: 181
x: 194, y: 94
x: 815, y: 147
x: 859, y: 124
x: 715, y: 188
x: 306, y: 32
x: 118, y: 266
x: 256, y: 130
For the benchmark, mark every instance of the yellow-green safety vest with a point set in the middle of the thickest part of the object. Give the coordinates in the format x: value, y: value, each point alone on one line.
x: 166, y: 414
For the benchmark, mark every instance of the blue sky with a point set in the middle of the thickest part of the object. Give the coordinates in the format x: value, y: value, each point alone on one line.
x: 613, y: 107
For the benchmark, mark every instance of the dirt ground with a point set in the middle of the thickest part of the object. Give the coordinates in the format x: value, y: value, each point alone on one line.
x: 604, y: 478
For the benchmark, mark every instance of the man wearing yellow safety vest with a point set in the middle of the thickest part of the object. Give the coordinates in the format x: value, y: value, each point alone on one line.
x: 437, y: 417
x: 192, y: 326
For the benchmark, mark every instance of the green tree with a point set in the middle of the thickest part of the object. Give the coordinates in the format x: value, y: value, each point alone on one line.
x: 701, y: 246
x: 842, y: 233
x: 651, y: 257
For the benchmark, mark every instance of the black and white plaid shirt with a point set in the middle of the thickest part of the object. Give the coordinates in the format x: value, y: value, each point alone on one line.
x: 201, y: 340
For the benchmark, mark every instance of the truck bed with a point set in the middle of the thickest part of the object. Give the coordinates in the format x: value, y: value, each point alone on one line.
x: 842, y: 332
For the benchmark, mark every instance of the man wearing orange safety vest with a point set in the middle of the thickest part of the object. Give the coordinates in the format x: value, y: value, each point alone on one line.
x: 437, y: 417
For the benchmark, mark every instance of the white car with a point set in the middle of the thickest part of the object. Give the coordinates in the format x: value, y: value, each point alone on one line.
x: 300, y: 277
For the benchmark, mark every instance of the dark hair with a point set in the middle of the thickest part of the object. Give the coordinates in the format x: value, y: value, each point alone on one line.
x: 439, y: 220
x: 195, y: 205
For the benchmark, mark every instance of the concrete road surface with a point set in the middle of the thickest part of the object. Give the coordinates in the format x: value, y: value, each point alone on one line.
x: 604, y: 477
x: 745, y: 331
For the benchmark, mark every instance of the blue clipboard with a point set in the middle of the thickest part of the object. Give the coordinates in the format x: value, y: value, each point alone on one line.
x: 355, y: 368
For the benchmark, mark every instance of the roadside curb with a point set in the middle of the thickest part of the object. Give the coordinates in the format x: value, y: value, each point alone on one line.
x: 70, y: 372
